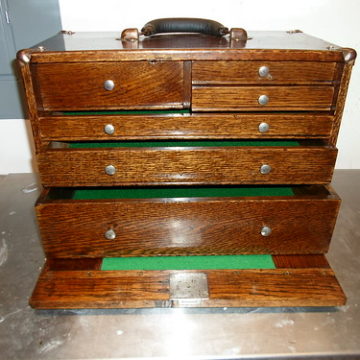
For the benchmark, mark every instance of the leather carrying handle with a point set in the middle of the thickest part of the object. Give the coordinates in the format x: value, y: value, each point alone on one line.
x: 184, y: 25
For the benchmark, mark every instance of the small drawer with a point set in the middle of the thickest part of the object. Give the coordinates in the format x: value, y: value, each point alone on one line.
x: 172, y: 125
x: 262, y: 72
x: 110, y: 85
x: 186, y: 162
x: 257, y: 98
x: 186, y: 221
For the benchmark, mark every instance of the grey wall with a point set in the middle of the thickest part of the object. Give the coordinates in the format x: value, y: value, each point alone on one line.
x: 23, y: 23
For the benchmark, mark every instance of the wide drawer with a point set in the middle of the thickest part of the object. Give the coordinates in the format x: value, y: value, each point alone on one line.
x: 186, y: 221
x: 262, y: 72
x: 193, y: 162
x: 295, y: 280
x: 262, y: 98
x: 110, y: 85
x: 128, y: 126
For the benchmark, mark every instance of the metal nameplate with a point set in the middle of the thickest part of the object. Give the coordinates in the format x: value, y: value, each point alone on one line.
x: 189, y: 288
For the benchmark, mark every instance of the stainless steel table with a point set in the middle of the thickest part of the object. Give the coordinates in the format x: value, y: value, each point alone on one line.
x: 227, y: 333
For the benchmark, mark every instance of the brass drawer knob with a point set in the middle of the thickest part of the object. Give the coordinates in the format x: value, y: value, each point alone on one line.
x: 263, y: 100
x: 264, y: 71
x: 264, y: 127
x: 110, y: 169
x: 265, y: 169
x: 109, y: 85
x: 109, y: 129
x: 265, y: 231
x: 110, y: 234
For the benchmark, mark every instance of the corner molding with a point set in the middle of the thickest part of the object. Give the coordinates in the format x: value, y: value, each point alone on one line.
x: 131, y: 34
x: 24, y: 56
x: 238, y: 37
x: 349, y: 55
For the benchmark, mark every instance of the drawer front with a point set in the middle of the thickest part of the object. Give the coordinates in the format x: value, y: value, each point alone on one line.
x: 110, y: 85
x: 189, y: 126
x: 255, y: 98
x: 200, y: 226
x: 262, y: 72
x: 187, y: 165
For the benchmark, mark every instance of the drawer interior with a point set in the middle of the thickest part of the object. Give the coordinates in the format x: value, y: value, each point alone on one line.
x: 172, y: 192
x: 179, y: 192
x: 125, y: 112
x: 188, y: 262
x: 137, y: 144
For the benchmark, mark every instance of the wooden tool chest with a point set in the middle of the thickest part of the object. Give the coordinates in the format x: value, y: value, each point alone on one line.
x: 186, y: 140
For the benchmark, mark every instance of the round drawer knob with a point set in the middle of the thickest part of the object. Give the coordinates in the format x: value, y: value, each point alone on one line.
x: 263, y: 100
x: 264, y: 71
x: 110, y: 169
x: 265, y: 231
x: 110, y: 234
x: 109, y: 85
x: 264, y: 127
x: 265, y: 169
x: 109, y: 129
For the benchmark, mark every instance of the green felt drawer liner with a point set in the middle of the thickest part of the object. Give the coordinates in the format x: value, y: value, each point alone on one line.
x: 184, y: 192
x: 136, y: 144
x: 216, y: 262
x: 180, y: 262
x: 127, y: 112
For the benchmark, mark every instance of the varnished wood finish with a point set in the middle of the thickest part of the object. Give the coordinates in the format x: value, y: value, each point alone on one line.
x: 99, y: 289
x: 211, y: 165
x: 187, y: 54
x: 138, y: 85
x: 31, y: 105
x: 245, y: 98
x: 198, y: 226
x: 307, y: 87
x: 56, y: 264
x: 344, y: 85
x: 185, y: 126
x: 247, y: 72
x: 300, y: 261
x: 142, y: 289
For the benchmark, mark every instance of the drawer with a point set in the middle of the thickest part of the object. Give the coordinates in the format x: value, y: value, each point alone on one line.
x: 295, y: 280
x: 110, y: 85
x: 181, y: 162
x: 262, y: 72
x: 262, y: 98
x: 128, y: 126
x: 186, y: 221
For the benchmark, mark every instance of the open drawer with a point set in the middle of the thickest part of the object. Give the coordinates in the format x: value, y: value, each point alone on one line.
x: 186, y: 163
x: 284, y: 281
x: 186, y: 221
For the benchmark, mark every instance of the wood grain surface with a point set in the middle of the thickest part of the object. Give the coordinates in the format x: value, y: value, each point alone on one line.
x: 138, y: 84
x: 30, y: 102
x: 307, y: 88
x: 300, y: 261
x: 197, y: 226
x: 245, y: 98
x: 247, y: 72
x: 189, y: 54
x: 185, y: 126
x: 340, y: 105
x: 212, y: 165
x: 142, y: 289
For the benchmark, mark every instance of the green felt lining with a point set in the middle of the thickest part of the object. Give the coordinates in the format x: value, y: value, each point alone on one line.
x: 218, y: 262
x: 131, y: 144
x: 182, y: 192
x: 127, y: 112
